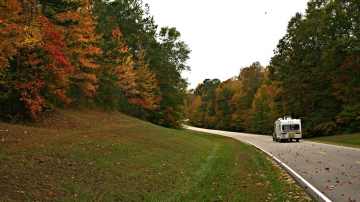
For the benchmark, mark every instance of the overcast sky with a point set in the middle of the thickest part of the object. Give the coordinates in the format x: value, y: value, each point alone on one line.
x: 226, y: 35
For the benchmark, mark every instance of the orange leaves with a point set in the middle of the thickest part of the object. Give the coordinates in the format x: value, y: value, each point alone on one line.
x: 39, y: 68
x: 11, y: 32
x: 30, y: 95
x: 116, y: 34
x: 243, y: 184
x: 81, y: 39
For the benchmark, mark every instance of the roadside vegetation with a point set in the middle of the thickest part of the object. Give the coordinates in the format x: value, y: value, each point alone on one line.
x: 106, y: 156
x: 347, y: 140
x: 313, y: 76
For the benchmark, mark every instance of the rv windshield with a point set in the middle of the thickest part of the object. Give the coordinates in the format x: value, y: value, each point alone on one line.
x: 291, y: 127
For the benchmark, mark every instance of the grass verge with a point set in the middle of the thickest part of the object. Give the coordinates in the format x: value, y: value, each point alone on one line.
x: 106, y: 156
x: 347, y: 140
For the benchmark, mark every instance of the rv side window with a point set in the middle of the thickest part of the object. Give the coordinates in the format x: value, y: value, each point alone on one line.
x: 291, y: 127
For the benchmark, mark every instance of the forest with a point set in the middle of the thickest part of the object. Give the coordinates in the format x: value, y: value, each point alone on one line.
x: 111, y: 55
x: 314, y: 75
x: 90, y: 54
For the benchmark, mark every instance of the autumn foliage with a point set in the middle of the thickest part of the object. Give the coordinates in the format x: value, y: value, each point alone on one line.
x: 314, y: 75
x: 73, y: 53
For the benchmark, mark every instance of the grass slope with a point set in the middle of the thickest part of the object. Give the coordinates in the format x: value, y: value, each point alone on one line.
x: 106, y: 156
x: 347, y: 140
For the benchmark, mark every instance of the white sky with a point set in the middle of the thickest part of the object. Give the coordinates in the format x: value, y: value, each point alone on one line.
x: 226, y: 35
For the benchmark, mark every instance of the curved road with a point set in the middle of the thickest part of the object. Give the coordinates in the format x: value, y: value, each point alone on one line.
x: 327, y: 172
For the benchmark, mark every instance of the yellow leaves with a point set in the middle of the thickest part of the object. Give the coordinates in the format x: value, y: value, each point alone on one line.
x: 32, y: 36
x: 320, y: 152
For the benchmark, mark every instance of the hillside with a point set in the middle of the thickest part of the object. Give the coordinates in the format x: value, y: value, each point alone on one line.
x: 107, y: 156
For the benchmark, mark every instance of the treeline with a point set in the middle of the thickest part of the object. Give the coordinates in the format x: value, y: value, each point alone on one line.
x: 314, y: 75
x: 90, y: 53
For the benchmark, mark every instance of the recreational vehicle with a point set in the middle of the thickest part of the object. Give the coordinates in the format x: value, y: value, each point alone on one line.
x: 287, y: 129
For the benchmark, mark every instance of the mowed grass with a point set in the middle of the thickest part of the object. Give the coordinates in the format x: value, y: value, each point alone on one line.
x: 106, y: 156
x: 348, y: 140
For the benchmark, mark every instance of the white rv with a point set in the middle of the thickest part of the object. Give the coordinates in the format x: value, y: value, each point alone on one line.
x: 287, y: 129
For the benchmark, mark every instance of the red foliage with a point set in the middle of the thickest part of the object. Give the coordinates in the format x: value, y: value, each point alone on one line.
x: 169, y: 117
x: 110, y: 99
x: 30, y: 92
x: 138, y: 101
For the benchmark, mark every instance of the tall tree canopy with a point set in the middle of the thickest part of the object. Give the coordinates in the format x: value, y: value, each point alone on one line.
x: 314, y: 65
x: 97, y: 53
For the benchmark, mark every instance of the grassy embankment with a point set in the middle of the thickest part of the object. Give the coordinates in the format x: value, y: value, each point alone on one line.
x: 347, y: 140
x: 98, y: 156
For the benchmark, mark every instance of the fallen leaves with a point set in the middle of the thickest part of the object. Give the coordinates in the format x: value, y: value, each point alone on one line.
x: 243, y: 184
x: 259, y: 184
x: 329, y: 187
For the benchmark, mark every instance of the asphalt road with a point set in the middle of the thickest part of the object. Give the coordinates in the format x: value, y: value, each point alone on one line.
x: 327, y: 172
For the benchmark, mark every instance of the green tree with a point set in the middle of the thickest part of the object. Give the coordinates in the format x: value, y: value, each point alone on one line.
x: 206, y: 114
x: 309, y: 66
x: 166, y: 56
x: 340, y: 25
x: 224, y: 93
x: 169, y: 62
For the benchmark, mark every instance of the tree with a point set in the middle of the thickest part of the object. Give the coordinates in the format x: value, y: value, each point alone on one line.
x: 146, y: 82
x: 251, y: 79
x: 167, y: 64
x: 308, y: 65
x: 36, y: 69
x: 205, y: 114
x: 165, y: 55
x: 341, y: 52
x: 224, y: 93
x: 192, y: 108
x: 265, y: 110
x: 81, y: 41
